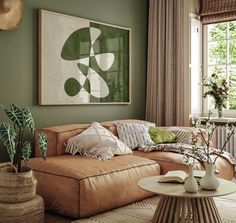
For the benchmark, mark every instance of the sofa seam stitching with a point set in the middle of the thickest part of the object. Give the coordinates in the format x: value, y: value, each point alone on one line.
x: 43, y: 129
x: 95, y: 175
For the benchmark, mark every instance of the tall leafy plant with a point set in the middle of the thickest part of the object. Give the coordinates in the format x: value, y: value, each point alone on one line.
x: 13, y: 136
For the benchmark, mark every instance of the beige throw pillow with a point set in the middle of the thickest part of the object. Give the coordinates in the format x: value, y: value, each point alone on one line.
x: 97, y: 142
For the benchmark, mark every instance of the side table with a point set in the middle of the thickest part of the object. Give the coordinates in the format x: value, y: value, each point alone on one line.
x: 178, y: 206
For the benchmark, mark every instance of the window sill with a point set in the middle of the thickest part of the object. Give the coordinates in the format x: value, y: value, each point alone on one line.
x: 217, y: 120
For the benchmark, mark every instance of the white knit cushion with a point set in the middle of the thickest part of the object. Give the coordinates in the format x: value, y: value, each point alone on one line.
x: 98, y: 142
x: 134, y: 135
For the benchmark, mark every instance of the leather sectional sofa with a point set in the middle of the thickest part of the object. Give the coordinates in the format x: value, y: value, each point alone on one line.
x: 78, y: 186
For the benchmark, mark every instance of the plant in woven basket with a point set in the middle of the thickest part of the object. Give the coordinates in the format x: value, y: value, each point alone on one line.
x: 13, y: 136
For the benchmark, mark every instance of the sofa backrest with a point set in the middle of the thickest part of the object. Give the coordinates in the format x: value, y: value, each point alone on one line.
x: 58, y: 135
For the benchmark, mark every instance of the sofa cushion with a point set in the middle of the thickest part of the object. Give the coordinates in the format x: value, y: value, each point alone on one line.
x: 159, y: 135
x: 133, y: 134
x: 78, y: 186
x: 174, y: 161
x: 58, y: 135
x: 97, y: 142
x: 183, y: 135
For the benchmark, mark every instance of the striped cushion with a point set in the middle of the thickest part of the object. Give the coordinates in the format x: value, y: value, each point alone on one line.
x: 134, y: 135
x: 183, y: 135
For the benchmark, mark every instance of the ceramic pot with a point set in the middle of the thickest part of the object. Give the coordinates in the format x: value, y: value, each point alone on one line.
x: 190, y: 184
x: 16, y: 187
x: 209, y: 181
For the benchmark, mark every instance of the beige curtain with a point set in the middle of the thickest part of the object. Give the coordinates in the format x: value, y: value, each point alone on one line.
x: 195, y: 6
x: 165, y: 68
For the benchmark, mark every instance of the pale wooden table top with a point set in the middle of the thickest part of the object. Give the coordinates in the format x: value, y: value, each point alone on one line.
x: 177, y: 190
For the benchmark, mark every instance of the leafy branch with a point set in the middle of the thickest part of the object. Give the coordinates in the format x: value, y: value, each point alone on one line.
x: 209, y: 128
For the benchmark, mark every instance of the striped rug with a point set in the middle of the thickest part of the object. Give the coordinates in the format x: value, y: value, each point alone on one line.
x: 142, y: 211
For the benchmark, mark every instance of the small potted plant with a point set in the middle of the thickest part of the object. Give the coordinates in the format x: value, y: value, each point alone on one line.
x: 201, y: 148
x: 218, y: 89
x: 17, y: 181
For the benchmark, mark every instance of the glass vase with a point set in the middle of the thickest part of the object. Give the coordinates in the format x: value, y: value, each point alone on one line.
x: 220, y: 111
x: 209, y: 181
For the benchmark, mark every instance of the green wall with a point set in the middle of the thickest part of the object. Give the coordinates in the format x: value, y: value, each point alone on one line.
x: 18, y: 61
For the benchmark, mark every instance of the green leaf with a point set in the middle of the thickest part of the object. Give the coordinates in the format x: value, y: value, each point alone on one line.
x: 15, y: 114
x: 43, y: 142
x: 21, y: 117
x: 26, y: 153
x: 8, y: 135
x: 29, y: 121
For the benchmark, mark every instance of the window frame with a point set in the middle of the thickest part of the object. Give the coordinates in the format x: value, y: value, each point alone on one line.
x: 231, y: 113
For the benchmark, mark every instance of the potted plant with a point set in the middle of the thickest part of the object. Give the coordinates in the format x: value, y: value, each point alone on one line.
x: 218, y: 89
x: 17, y: 181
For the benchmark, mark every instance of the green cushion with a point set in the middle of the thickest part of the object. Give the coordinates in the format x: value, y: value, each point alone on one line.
x: 159, y: 135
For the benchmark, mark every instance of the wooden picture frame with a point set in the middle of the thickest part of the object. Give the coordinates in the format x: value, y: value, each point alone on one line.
x: 82, y: 61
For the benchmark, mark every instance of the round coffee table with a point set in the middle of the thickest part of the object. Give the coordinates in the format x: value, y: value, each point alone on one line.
x: 178, y: 206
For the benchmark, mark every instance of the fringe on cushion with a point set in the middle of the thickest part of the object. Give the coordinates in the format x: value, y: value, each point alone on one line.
x: 148, y: 148
x: 95, y: 155
x: 73, y: 148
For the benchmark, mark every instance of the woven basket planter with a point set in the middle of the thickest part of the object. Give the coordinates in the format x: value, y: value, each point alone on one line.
x: 30, y: 211
x: 16, y: 187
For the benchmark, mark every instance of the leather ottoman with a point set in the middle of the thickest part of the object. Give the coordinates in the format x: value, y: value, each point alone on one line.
x: 79, y: 187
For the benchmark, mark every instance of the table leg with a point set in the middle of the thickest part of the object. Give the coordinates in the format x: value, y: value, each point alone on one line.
x: 186, y: 210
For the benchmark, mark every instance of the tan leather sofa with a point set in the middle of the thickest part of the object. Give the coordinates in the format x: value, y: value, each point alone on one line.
x: 174, y: 161
x: 79, y: 187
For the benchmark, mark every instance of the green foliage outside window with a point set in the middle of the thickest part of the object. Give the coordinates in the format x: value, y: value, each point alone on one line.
x: 222, y: 55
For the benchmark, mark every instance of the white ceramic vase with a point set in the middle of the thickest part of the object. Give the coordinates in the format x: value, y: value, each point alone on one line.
x: 190, y: 184
x: 209, y: 181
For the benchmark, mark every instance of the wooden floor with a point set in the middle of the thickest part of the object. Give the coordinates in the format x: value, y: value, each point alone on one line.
x: 54, y: 218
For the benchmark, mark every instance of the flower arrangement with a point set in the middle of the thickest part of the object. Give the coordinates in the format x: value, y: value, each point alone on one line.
x: 201, y: 149
x: 202, y: 138
x: 218, y: 88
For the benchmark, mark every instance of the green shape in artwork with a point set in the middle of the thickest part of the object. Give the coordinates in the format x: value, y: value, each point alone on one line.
x: 72, y: 87
x: 112, y: 39
x: 116, y: 41
x: 87, y: 86
x: 109, y: 40
x: 77, y: 45
x: 83, y: 68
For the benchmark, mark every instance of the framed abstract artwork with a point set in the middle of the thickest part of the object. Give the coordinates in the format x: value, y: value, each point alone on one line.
x: 82, y: 61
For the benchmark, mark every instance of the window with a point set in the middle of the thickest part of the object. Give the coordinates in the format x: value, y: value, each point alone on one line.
x: 220, y: 57
x: 196, y: 67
